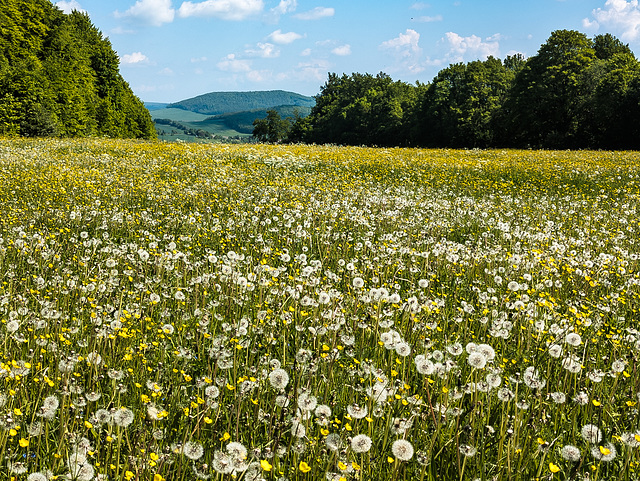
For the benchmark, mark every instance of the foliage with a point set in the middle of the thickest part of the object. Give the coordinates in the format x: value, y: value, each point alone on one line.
x: 311, y: 313
x: 273, y: 128
x: 575, y: 92
x: 361, y: 109
x: 59, y: 77
x: 243, y: 121
x: 460, y: 103
x: 215, y: 103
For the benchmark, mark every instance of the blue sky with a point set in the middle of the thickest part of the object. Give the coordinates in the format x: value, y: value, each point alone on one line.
x: 174, y: 49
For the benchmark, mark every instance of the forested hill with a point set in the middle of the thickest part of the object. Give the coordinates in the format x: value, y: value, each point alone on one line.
x: 60, y: 77
x: 216, y: 103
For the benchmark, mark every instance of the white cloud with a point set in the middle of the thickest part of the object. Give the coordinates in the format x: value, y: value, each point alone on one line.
x: 259, y: 75
x: 285, y: 6
x: 224, y: 9
x: 428, y: 19
x: 406, y: 42
x: 134, y: 58
x: 470, y: 48
x: 312, y: 71
x: 69, y: 6
x: 199, y: 59
x: 306, y: 52
x: 619, y: 16
x: 419, y: 6
x: 284, y: 38
x: 406, y: 50
x: 264, y: 50
x: 316, y: 13
x: 153, y: 12
x: 342, y: 50
x: 232, y: 64
x: 122, y: 31
x: 166, y: 72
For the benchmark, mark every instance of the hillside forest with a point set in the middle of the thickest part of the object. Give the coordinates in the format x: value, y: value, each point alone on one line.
x: 60, y: 77
x: 576, y: 92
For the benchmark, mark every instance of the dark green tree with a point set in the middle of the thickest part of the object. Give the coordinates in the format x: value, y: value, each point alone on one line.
x: 542, y: 108
x: 459, y: 106
x: 606, y: 46
x: 59, y: 76
x: 362, y: 109
x: 610, y: 111
x: 272, y: 128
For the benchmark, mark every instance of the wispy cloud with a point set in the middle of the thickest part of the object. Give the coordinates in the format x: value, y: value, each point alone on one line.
x: 312, y: 71
x: 619, y: 16
x: 427, y: 19
x: 406, y: 50
x: 224, y: 9
x: 152, y: 12
x: 134, y: 58
x: 264, y: 50
x: 283, y: 38
x: 342, y: 50
x: 316, y: 14
x: 285, y: 6
x: 232, y: 64
x: 470, y: 48
x: 70, y: 6
x: 406, y: 42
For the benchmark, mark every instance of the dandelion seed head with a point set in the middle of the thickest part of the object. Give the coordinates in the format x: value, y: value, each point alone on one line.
x: 467, y: 450
x: 570, y: 453
x: 37, y: 476
x: 356, y: 411
x: 477, y: 360
x: 606, y: 453
x: 591, y: 433
x: 193, y: 450
x: 361, y: 443
x: 123, y: 417
x: 279, y: 379
x: 237, y: 450
x: 333, y: 442
x: 402, y: 449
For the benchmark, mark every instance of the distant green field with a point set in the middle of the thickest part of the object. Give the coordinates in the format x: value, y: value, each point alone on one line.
x: 236, y: 124
x: 179, y: 115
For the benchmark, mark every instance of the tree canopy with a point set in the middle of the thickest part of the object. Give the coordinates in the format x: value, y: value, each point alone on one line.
x: 576, y: 92
x: 60, y: 77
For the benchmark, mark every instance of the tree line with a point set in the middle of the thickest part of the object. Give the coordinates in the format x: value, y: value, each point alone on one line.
x: 60, y: 77
x: 576, y: 92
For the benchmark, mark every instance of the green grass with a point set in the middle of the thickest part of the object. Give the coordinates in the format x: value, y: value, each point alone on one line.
x: 181, y: 311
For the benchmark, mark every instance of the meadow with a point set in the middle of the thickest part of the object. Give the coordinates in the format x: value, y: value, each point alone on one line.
x: 222, y: 312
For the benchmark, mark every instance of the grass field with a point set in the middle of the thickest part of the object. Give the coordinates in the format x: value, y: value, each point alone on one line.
x: 195, y: 312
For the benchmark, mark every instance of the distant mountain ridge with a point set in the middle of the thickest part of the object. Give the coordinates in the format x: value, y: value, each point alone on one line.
x: 220, y: 115
x: 216, y: 103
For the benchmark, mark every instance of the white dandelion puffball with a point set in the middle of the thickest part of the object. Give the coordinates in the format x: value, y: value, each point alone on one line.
x: 279, y: 378
x: 591, y: 433
x: 477, y: 360
x: 361, y: 443
x: 402, y: 449
x: 193, y: 450
x: 570, y: 453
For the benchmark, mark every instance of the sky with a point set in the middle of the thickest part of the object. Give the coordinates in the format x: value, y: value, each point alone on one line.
x: 172, y: 50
